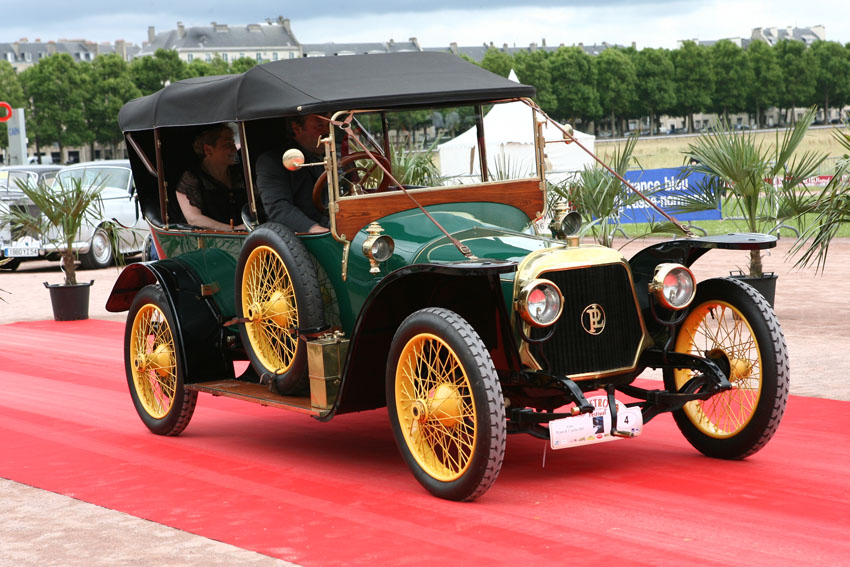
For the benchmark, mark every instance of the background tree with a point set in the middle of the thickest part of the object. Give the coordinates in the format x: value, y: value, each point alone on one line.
x: 572, y: 70
x: 800, y: 69
x: 532, y: 68
x: 497, y: 61
x: 242, y: 64
x: 55, y: 89
x: 109, y: 87
x: 656, y: 89
x: 11, y: 92
x: 832, y: 80
x: 616, y: 81
x: 152, y: 73
x: 694, y: 80
x: 733, y: 78
x: 766, y: 87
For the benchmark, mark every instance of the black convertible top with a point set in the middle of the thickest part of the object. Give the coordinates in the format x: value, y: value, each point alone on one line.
x: 320, y: 84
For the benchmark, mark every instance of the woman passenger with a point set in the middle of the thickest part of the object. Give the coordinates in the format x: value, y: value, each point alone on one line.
x: 212, y: 194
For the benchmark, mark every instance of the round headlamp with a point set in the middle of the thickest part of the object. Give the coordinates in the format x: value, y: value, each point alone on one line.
x: 540, y: 303
x: 673, y: 285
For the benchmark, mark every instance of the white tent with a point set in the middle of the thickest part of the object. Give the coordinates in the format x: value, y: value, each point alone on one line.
x: 509, y: 134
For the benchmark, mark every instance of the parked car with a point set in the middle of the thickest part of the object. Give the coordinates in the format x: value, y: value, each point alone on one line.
x: 445, y: 304
x: 120, y: 212
x: 13, y: 245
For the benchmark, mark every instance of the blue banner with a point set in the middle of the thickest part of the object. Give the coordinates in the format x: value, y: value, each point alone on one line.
x: 667, y: 185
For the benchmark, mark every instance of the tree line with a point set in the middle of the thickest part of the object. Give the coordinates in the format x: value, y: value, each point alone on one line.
x: 74, y: 104
x: 621, y: 83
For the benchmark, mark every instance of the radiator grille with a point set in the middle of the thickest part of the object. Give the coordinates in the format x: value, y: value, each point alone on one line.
x: 572, y: 350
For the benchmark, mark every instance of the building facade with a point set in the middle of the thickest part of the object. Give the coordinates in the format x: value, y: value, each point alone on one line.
x: 269, y: 41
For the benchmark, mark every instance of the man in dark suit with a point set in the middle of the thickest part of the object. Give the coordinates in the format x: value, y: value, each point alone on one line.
x: 287, y: 196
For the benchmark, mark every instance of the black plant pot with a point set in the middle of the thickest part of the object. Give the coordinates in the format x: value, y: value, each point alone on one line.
x: 70, y: 302
x: 765, y: 285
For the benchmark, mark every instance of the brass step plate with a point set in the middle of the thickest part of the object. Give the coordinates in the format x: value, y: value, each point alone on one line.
x: 257, y: 394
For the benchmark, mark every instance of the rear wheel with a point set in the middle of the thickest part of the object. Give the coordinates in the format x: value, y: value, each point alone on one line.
x: 445, y: 405
x: 277, y: 293
x: 100, y: 252
x: 11, y: 265
x: 731, y: 323
x: 153, y: 366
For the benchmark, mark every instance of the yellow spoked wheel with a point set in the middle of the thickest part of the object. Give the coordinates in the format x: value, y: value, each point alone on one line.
x: 269, y: 305
x: 154, y: 373
x: 153, y: 360
x: 734, y: 326
x: 278, y: 296
x: 434, y: 405
x: 719, y: 331
x: 445, y: 404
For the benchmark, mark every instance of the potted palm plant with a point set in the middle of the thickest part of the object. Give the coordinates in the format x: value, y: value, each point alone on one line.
x: 762, y: 184
x: 65, y: 207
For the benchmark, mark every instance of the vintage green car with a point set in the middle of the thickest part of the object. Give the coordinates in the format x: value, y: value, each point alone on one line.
x: 465, y: 307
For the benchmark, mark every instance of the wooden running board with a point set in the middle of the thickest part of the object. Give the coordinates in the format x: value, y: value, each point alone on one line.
x: 258, y: 394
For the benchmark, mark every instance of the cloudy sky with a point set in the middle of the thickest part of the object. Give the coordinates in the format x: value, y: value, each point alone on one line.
x: 648, y: 23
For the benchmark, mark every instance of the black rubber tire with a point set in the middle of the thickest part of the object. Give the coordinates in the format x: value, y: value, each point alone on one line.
x: 11, y: 265
x: 151, y: 300
x: 100, y: 254
x: 748, y: 309
x: 301, y: 272
x: 479, y: 419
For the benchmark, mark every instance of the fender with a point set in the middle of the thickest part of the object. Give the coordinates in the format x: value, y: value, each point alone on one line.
x: 198, y: 322
x: 470, y: 288
x: 686, y: 251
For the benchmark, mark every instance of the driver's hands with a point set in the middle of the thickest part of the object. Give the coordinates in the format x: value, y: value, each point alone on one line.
x: 317, y: 229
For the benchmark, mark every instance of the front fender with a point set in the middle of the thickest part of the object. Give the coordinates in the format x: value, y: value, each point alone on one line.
x: 472, y: 289
x: 686, y: 251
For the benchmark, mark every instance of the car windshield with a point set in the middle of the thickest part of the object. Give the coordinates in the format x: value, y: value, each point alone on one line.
x: 442, y: 147
x: 117, y: 177
x: 9, y: 180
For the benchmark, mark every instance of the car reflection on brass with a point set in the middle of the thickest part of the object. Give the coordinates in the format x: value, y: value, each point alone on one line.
x: 435, y: 407
x: 593, y: 319
x: 268, y: 302
x: 719, y: 331
x: 154, y: 366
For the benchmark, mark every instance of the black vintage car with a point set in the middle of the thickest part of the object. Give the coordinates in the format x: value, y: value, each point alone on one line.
x: 444, y: 302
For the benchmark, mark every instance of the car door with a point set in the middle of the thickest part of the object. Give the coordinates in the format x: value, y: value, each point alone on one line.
x: 120, y: 205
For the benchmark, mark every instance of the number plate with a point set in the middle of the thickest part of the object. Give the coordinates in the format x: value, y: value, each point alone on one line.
x: 590, y: 428
x: 20, y: 252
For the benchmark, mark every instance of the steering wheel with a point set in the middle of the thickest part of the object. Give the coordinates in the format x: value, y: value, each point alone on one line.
x: 360, y: 172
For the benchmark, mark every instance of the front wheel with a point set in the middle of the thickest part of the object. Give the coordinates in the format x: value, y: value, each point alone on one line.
x: 154, y: 369
x: 732, y: 324
x: 445, y: 405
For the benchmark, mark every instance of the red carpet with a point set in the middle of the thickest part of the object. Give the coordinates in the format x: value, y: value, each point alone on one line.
x: 338, y: 493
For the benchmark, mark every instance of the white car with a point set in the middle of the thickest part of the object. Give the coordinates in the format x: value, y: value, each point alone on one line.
x: 119, y: 207
x: 14, y: 246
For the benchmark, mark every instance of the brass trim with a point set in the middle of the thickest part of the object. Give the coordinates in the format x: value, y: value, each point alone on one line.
x: 539, y: 262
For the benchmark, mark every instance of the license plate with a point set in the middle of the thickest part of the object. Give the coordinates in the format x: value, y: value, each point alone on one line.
x: 590, y: 428
x: 20, y: 252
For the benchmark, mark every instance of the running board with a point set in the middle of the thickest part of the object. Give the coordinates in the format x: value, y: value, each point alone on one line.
x: 257, y: 394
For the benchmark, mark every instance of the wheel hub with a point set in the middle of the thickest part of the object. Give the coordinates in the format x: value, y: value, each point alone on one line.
x: 160, y: 361
x: 444, y: 404
x: 277, y: 308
